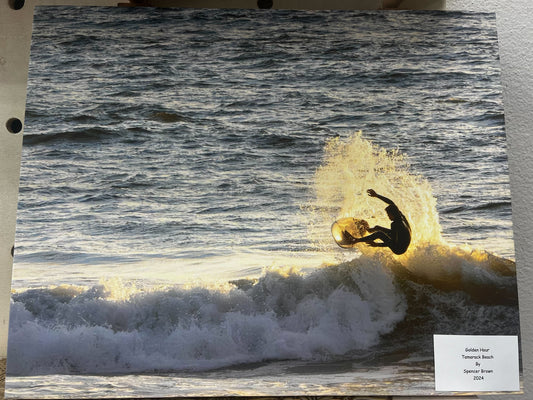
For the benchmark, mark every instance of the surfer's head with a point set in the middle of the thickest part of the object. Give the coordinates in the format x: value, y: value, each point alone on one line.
x: 393, y: 212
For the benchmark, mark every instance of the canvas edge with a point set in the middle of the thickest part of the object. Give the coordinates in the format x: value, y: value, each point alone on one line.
x: 15, y: 39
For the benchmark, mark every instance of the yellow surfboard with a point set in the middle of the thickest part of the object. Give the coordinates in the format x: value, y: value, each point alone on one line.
x: 345, y: 229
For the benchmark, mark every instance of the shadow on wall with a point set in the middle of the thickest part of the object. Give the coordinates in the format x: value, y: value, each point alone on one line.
x: 2, y: 377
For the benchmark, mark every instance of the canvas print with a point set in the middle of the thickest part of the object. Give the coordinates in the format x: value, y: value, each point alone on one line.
x: 251, y: 202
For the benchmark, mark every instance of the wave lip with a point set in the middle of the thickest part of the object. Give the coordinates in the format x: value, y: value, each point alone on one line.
x: 373, y: 304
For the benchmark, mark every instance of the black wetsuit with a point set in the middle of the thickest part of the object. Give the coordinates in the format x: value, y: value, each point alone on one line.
x: 397, y: 238
x: 400, y: 235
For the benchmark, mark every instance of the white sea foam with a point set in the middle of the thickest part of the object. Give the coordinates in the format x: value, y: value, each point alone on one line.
x: 283, y: 315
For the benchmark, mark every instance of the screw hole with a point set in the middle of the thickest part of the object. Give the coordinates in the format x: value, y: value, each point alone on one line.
x: 265, y: 4
x: 16, y: 4
x: 14, y: 125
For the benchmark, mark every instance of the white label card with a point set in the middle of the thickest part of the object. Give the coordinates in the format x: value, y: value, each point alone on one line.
x: 465, y: 363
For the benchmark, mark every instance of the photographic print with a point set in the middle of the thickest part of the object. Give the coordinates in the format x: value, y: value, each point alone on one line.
x: 257, y: 203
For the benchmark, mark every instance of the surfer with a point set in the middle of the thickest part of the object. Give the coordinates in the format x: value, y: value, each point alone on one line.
x: 397, y: 238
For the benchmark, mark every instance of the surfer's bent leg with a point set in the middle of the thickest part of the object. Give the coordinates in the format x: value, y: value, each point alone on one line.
x: 376, y: 235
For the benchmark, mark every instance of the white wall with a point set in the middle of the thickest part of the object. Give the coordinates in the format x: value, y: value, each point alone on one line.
x: 515, y: 31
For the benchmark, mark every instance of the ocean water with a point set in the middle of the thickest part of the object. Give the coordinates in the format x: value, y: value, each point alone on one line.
x: 181, y: 171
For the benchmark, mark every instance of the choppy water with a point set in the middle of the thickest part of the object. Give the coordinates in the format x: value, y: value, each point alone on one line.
x: 182, y: 168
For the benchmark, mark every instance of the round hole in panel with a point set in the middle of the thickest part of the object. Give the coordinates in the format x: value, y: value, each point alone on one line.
x: 265, y: 4
x: 16, y: 4
x: 14, y: 125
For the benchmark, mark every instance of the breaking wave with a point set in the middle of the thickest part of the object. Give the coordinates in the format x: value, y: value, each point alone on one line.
x: 117, y: 328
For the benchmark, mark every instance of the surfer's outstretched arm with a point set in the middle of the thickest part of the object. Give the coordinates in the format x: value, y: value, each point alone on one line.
x: 372, y: 193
